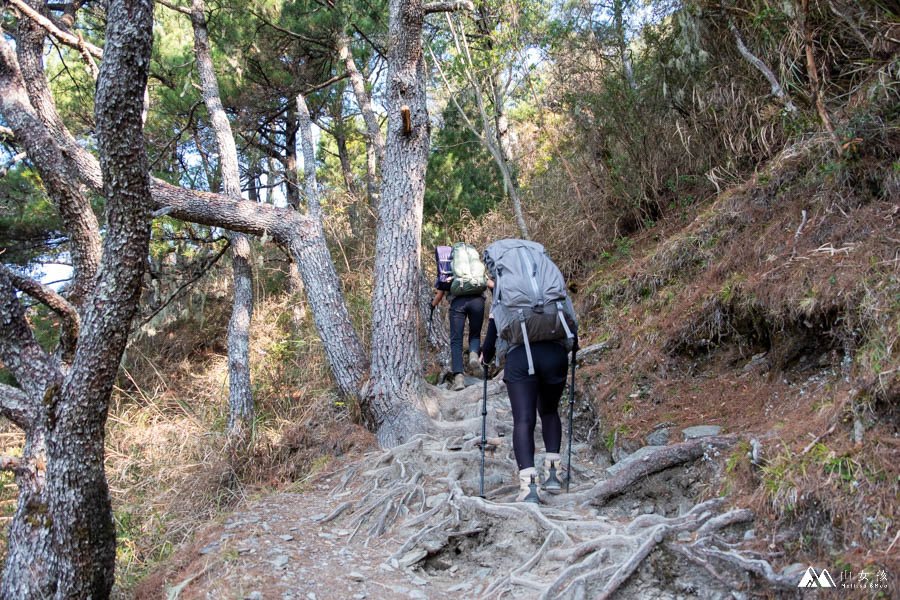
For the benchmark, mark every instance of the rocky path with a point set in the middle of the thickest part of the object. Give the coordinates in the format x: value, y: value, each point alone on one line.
x: 408, y: 523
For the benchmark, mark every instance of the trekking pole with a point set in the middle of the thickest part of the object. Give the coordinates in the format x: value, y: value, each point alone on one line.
x: 483, y: 427
x: 571, y: 418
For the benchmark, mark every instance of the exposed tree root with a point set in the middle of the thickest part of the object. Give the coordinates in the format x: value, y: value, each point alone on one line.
x: 424, y: 491
x: 664, y: 458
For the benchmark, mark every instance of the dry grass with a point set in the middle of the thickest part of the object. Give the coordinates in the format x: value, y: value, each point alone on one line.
x: 170, y: 465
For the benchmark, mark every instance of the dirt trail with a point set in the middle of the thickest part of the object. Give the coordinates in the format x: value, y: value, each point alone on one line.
x: 408, y: 523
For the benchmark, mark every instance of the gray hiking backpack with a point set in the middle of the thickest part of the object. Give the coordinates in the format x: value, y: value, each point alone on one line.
x: 469, y: 276
x: 530, y: 303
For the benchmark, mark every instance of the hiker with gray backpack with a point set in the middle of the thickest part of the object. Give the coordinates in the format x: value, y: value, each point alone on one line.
x: 533, y: 324
x: 462, y: 275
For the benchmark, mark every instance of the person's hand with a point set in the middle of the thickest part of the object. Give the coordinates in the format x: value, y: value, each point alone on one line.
x: 431, y: 314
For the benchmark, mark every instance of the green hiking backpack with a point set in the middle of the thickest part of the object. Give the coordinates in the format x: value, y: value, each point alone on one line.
x: 469, y: 274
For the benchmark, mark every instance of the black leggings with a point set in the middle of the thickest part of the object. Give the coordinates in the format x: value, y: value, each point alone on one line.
x: 462, y: 307
x: 527, y: 400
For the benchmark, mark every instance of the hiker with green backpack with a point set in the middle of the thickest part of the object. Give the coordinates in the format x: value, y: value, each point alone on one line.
x: 461, y: 274
x: 533, y: 324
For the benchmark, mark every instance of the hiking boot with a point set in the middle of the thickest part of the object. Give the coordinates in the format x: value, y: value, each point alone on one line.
x: 475, y: 364
x: 459, y: 382
x: 554, y: 474
x: 528, y: 488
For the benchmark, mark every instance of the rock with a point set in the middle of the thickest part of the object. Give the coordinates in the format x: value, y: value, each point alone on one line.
x: 700, y: 431
x: 286, y: 538
x: 254, y: 596
x: 356, y: 576
x: 660, y: 437
x: 454, y: 568
x: 631, y: 458
x: 418, y: 595
x: 311, y: 596
x: 419, y: 581
x: 326, y: 536
x: 210, y: 548
x: 281, y: 561
x: 685, y: 536
x: 412, y: 557
x: 750, y: 534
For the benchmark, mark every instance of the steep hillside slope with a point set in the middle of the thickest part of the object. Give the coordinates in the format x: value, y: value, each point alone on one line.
x: 773, y: 311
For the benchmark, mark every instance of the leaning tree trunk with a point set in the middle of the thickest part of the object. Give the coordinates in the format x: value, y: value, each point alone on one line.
x: 393, y: 402
x: 240, y: 395
x: 73, y: 205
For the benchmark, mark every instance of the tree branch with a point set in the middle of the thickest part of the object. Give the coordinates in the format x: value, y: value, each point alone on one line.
x: 11, y: 162
x: 16, y: 464
x: 64, y: 37
x: 196, y: 277
x: 450, y: 6
x: 288, y: 32
x: 14, y: 405
x: 19, y: 351
x: 170, y: 6
x: 45, y: 295
x: 777, y: 90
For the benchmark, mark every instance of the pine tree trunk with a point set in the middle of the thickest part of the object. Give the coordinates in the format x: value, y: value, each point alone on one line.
x: 80, y: 507
x: 240, y: 394
x: 393, y: 403
x: 375, y: 148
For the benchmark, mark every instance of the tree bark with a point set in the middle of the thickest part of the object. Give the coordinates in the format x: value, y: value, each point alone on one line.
x: 393, y: 401
x: 240, y: 394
